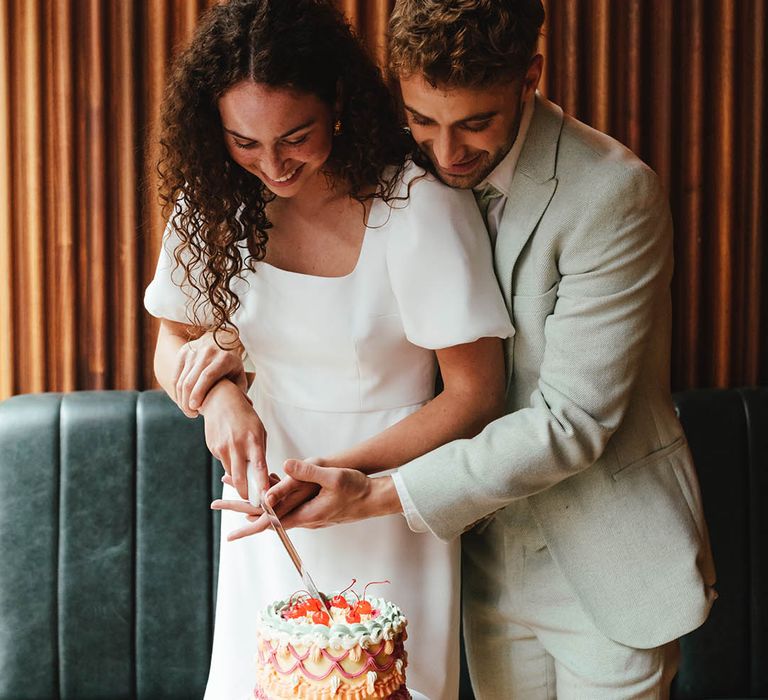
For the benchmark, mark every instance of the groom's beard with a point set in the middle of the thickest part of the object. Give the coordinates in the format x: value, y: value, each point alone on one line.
x: 486, y: 164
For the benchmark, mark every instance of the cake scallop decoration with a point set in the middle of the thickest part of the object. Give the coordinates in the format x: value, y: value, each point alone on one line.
x: 355, y: 653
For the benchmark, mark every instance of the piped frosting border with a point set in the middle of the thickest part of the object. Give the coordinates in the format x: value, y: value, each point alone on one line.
x: 387, y: 625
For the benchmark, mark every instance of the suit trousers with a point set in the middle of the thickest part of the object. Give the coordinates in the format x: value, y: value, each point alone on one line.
x: 527, y: 636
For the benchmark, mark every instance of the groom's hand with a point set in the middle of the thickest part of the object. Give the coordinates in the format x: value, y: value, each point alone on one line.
x: 345, y: 495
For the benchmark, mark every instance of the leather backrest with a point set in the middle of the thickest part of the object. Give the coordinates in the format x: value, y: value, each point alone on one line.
x: 107, y: 541
x: 108, y: 547
x: 728, y: 433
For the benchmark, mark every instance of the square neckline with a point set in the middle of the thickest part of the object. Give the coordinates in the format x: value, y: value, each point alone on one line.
x: 351, y: 273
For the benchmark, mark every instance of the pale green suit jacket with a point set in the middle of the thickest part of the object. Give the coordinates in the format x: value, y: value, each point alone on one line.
x: 591, y: 439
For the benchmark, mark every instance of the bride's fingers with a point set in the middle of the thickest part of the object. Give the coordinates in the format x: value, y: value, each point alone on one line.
x: 197, y: 360
x: 273, y: 479
x: 238, y: 472
x: 181, y: 384
x: 210, y: 369
x: 257, y: 463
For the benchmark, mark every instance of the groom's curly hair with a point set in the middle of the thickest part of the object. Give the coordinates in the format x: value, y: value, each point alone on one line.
x: 463, y: 43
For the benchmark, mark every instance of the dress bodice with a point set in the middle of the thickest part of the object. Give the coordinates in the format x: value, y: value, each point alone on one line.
x: 334, y: 343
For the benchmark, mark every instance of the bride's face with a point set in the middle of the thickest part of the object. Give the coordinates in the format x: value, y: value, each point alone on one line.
x: 282, y: 136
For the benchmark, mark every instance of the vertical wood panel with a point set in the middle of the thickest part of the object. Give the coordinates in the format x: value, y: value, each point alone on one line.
x: 690, y: 198
x: 723, y: 172
x: 660, y: 90
x: 156, y: 27
x: 600, y: 64
x: 81, y: 81
x: 96, y: 268
x: 81, y: 190
x: 632, y: 77
x: 60, y: 179
x: 570, y: 82
x: 7, y: 296
x: 28, y: 192
x: 126, y: 278
x: 755, y: 205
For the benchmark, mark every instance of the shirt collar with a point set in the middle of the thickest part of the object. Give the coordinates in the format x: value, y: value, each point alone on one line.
x: 501, y: 176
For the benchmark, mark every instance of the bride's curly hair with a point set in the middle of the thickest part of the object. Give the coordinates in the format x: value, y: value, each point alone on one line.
x: 212, y: 204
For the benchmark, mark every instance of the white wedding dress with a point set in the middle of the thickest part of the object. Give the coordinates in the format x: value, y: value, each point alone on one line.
x: 337, y: 360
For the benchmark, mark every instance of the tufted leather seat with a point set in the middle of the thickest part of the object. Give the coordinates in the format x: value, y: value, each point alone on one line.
x: 106, y: 576
x: 107, y: 546
x: 728, y: 433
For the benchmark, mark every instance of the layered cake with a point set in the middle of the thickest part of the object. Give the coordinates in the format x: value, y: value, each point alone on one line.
x: 354, y: 653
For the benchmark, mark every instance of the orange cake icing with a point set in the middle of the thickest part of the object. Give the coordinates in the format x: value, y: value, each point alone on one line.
x: 355, y: 653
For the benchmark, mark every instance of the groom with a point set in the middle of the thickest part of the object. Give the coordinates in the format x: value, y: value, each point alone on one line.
x: 591, y: 556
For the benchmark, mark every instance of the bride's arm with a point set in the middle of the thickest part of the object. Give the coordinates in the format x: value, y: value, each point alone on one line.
x: 186, y: 359
x: 473, y: 396
x: 189, y: 363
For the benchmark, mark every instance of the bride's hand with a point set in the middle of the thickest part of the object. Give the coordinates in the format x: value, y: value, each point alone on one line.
x: 284, y: 496
x: 235, y: 435
x: 252, y: 512
x: 200, y: 364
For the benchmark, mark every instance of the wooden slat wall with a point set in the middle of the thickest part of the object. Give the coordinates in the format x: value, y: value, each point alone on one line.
x: 7, y: 356
x: 682, y: 84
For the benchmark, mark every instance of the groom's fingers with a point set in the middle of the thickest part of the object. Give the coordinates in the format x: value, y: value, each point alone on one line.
x: 288, y: 493
x: 310, y: 515
x: 327, y: 477
x: 237, y: 506
x: 252, y: 529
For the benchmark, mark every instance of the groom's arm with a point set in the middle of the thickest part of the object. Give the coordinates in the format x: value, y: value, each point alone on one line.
x: 615, y: 267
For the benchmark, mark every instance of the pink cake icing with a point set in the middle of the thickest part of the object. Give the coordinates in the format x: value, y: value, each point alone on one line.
x: 356, y: 653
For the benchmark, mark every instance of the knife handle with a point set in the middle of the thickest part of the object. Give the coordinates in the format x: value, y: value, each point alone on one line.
x: 254, y: 492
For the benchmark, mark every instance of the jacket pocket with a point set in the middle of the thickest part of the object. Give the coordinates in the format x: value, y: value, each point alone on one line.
x: 651, y: 458
x: 541, y: 303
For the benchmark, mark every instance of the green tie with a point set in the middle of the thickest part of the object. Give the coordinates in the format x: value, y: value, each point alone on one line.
x: 484, y: 197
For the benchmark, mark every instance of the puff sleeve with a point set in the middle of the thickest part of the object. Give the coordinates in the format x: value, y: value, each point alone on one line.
x: 441, y: 268
x: 168, y: 294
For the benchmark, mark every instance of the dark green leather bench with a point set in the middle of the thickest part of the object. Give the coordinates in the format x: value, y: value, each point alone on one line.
x: 728, y: 433
x: 107, y: 546
x: 107, y: 541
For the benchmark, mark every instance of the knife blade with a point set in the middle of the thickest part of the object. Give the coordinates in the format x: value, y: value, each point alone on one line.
x: 256, y: 498
x: 277, y: 526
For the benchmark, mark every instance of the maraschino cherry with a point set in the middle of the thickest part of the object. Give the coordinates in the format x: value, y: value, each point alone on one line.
x: 321, y: 617
x: 339, y: 601
x: 363, y: 607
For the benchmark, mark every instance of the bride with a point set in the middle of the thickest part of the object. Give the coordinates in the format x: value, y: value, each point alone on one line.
x: 303, y: 236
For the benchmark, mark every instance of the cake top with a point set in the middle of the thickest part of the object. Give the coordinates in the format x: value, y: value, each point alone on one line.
x: 301, y: 621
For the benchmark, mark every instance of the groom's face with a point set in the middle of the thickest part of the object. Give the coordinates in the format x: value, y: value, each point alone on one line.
x: 466, y: 132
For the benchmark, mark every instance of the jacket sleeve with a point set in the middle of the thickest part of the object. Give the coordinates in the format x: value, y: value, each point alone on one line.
x: 615, y: 262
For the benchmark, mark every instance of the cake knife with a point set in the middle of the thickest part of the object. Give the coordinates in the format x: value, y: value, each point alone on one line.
x: 277, y: 526
x: 256, y: 498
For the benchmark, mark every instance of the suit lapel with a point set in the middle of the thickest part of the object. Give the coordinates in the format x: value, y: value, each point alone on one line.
x: 533, y: 186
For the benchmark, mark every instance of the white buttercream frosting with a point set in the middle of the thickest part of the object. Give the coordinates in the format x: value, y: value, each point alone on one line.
x: 370, y: 681
x: 387, y: 625
x: 335, y: 684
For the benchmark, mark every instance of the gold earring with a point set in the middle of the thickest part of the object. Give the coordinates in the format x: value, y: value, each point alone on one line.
x: 337, y: 127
